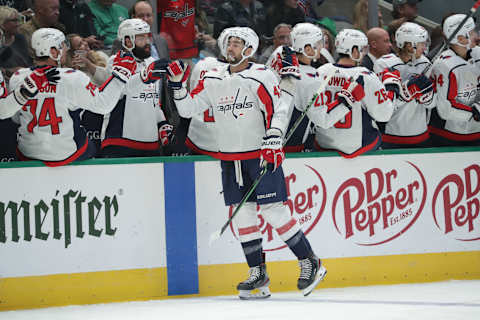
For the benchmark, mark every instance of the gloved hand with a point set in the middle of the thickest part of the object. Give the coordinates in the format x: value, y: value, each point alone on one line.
x: 165, y: 133
x: 272, y: 148
x: 177, y: 73
x: 154, y: 71
x: 392, y: 81
x: 286, y: 64
x: 352, y: 93
x: 38, y: 79
x: 124, y: 65
x: 417, y: 87
x: 476, y: 111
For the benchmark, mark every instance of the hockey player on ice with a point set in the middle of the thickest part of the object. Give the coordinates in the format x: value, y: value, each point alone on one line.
x: 408, y: 125
x: 307, y: 43
x: 137, y: 126
x: 250, y: 122
x: 50, y: 128
x: 357, y: 132
x: 456, y: 74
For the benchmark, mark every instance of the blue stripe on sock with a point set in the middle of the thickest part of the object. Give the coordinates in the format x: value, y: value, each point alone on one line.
x: 181, y: 233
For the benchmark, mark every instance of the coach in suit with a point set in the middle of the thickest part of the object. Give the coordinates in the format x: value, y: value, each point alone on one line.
x: 142, y: 9
x: 378, y: 45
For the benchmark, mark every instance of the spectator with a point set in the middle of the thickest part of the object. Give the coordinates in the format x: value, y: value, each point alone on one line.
x: 15, y: 42
x: 378, y: 45
x: 22, y: 6
x: 78, y: 18
x: 142, y: 9
x: 46, y: 16
x: 393, y: 27
x: 281, y: 37
x: 286, y: 11
x: 329, y: 30
x: 241, y: 13
x: 360, y: 16
x: 81, y: 57
x: 108, y: 16
x: 405, y: 9
x: 207, y: 45
x: 177, y: 25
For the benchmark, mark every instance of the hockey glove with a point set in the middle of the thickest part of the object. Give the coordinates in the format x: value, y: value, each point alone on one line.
x: 272, y: 149
x: 476, y: 111
x: 417, y: 87
x: 165, y: 133
x: 393, y: 82
x: 124, y: 65
x: 286, y: 63
x: 352, y: 93
x: 38, y: 79
x: 178, y: 73
x: 154, y: 71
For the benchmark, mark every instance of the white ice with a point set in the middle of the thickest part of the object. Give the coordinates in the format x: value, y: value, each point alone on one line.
x: 436, y: 301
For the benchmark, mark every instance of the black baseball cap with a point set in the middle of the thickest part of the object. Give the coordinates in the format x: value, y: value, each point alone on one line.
x: 397, y: 3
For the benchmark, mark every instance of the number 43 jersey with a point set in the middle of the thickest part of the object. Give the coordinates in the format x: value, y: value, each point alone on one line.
x: 357, y: 132
x: 50, y: 122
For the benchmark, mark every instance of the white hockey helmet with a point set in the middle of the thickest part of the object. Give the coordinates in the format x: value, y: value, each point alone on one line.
x: 131, y: 28
x: 411, y: 32
x: 304, y: 34
x: 347, y: 39
x: 246, y: 34
x: 451, y: 23
x: 44, y: 39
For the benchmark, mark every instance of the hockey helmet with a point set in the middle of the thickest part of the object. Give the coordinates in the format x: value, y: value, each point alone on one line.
x: 410, y: 32
x: 304, y: 34
x: 131, y: 28
x: 44, y: 39
x: 347, y: 39
x: 246, y: 34
x: 451, y: 23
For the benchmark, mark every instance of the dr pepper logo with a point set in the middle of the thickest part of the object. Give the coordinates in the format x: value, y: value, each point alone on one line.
x: 455, y: 204
x: 307, y: 197
x: 379, y: 205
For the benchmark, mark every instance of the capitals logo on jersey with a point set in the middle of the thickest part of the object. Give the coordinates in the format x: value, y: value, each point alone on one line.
x: 235, y: 105
x: 180, y: 14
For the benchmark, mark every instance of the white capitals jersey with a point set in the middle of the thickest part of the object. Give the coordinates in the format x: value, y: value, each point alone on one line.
x: 134, y: 121
x: 357, y: 132
x: 245, y: 104
x: 456, y: 82
x: 308, y: 85
x: 50, y: 122
x: 409, y: 122
x: 201, y: 136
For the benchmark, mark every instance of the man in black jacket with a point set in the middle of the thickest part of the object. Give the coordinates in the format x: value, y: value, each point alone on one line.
x: 378, y: 45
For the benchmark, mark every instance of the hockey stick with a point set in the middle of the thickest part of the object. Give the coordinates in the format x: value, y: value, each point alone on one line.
x: 217, y: 234
x: 452, y: 36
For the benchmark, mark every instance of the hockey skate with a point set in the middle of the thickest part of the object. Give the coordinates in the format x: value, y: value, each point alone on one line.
x: 311, y: 273
x: 256, y: 286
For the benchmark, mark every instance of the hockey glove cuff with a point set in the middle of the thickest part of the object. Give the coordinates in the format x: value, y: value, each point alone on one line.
x: 124, y: 65
x: 165, y: 133
x: 272, y: 149
x: 178, y: 73
x: 38, y: 79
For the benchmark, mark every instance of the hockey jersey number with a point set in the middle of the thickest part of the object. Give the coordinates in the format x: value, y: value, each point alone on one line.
x: 47, y: 117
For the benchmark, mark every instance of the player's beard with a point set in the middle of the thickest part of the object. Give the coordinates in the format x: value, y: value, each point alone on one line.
x: 142, y: 52
x: 233, y: 60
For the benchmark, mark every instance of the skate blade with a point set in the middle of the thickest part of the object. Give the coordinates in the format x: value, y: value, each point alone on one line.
x: 260, y: 293
x: 322, y: 272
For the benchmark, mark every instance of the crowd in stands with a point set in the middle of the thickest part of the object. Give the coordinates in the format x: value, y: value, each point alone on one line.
x: 186, y: 30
